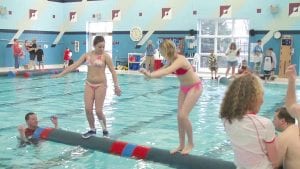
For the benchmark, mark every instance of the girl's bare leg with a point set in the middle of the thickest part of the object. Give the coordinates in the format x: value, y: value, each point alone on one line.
x: 181, y: 134
x: 89, y: 102
x: 100, y: 94
x: 188, y: 104
x: 227, y: 71
x: 233, y: 71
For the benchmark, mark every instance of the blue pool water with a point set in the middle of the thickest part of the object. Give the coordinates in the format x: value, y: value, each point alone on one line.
x: 145, y: 114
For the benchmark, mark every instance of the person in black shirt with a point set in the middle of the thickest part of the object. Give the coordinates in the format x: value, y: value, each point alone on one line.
x: 32, y: 54
x: 40, y: 57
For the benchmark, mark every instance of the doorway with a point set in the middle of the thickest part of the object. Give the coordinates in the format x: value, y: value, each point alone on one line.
x: 102, y: 28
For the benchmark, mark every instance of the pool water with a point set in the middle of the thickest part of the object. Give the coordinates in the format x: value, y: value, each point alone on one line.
x: 145, y: 114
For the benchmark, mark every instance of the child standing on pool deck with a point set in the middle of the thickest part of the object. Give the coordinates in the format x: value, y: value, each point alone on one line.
x: 189, y: 92
x: 213, y: 65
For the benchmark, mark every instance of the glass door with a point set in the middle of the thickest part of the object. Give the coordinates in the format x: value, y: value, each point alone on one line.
x: 100, y: 29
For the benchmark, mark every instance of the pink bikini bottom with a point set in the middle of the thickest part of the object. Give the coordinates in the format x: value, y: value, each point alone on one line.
x: 187, y: 88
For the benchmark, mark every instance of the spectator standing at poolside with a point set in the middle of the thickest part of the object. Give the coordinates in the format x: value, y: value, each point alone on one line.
x: 232, y: 61
x: 32, y: 54
x: 150, y: 51
x: 67, y: 57
x: 258, y: 55
x: 40, y: 57
x: 17, y: 52
x: 213, y: 65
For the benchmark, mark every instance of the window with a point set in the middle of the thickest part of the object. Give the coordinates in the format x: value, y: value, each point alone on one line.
x: 215, y: 35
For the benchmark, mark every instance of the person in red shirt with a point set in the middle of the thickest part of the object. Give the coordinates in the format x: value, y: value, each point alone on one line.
x: 32, y: 125
x: 18, y: 52
x: 67, y: 57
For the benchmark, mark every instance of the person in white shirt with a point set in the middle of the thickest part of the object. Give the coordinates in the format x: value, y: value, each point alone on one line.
x: 252, y: 136
x: 232, y: 53
x: 274, y: 58
x: 258, y: 54
x: 268, y: 65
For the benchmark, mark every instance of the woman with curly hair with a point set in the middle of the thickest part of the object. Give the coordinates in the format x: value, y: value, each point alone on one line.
x: 252, y: 136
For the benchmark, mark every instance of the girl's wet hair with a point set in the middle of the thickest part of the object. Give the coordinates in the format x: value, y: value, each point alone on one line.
x: 241, y: 96
x: 98, y: 39
x: 168, y: 47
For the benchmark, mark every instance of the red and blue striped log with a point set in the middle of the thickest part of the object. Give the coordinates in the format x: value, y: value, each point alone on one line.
x: 124, y: 149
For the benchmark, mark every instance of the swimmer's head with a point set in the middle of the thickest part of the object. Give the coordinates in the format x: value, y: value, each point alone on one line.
x: 31, y: 120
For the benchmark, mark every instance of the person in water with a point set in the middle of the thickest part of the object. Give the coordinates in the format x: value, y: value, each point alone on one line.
x: 26, y: 133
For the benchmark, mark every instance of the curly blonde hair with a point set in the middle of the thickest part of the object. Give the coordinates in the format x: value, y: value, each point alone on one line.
x: 241, y: 96
x: 168, y: 47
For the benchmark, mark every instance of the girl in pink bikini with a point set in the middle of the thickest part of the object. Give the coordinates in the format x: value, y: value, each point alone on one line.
x: 95, y: 86
x: 189, y: 93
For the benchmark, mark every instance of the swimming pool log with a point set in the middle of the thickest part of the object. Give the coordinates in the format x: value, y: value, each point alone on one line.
x: 124, y: 149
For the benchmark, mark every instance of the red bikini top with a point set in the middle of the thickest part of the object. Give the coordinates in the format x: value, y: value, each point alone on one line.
x: 181, y: 71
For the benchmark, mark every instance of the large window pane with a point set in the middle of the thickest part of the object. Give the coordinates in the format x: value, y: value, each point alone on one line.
x: 216, y: 36
x: 243, y: 44
x: 207, y: 45
x: 204, y: 61
x: 222, y: 61
x: 208, y: 27
x: 223, y: 44
x: 225, y: 27
x: 240, y: 28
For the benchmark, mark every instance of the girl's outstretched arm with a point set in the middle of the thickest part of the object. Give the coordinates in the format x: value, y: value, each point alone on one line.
x: 74, y: 66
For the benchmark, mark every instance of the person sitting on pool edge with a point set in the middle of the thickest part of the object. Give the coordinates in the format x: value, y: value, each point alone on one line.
x: 288, y: 139
x: 32, y: 125
x: 252, y: 136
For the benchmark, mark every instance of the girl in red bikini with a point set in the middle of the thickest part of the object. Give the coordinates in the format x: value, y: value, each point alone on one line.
x: 95, y: 86
x: 189, y: 93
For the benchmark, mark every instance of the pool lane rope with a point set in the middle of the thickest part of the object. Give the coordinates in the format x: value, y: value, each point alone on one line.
x: 124, y: 149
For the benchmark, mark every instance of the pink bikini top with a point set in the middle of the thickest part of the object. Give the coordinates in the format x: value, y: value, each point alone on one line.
x: 96, y: 62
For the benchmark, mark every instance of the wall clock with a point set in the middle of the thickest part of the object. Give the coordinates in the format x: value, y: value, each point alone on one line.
x: 136, y: 33
x: 277, y: 35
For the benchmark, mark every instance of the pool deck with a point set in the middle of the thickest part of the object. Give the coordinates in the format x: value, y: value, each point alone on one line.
x: 203, y: 72
x: 7, y: 69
